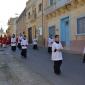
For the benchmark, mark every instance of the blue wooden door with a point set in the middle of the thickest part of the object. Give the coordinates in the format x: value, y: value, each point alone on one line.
x: 65, y: 31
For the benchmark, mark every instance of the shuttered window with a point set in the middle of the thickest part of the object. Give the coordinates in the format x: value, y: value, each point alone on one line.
x: 81, y: 25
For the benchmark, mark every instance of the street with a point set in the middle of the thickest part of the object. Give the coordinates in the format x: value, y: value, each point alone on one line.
x: 37, y: 69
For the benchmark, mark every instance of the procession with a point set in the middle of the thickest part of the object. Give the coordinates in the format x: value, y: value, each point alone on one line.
x: 55, y: 48
x: 42, y: 42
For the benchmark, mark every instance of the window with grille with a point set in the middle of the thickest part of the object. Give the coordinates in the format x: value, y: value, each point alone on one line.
x: 81, y: 25
x: 40, y: 7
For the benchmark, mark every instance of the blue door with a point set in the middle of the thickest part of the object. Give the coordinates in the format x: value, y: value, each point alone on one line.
x: 65, y: 31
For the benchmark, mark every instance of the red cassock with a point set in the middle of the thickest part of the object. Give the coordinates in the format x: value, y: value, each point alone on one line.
x: 17, y: 39
x: 8, y: 41
x: 4, y: 40
x: 0, y: 40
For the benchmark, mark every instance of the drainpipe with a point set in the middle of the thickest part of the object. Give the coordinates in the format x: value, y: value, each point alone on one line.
x: 42, y: 26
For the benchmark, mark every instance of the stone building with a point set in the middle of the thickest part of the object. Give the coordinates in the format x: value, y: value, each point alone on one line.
x: 21, y: 23
x: 66, y: 18
x: 12, y: 26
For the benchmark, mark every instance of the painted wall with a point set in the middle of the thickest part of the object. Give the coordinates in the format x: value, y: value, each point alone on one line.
x: 73, y: 14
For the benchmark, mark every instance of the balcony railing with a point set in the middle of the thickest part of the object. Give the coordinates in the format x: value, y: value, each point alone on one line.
x: 55, y: 6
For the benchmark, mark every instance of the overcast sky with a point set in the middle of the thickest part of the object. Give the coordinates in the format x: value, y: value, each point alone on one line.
x: 9, y: 8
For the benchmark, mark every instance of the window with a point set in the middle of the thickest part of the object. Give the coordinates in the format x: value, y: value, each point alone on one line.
x: 51, y: 31
x: 40, y: 7
x: 29, y: 15
x: 51, y: 2
x: 34, y: 13
x: 81, y: 25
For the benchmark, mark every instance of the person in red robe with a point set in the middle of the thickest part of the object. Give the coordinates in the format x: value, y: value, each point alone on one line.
x: 8, y: 41
x: 17, y: 40
x: 1, y: 40
x: 4, y: 40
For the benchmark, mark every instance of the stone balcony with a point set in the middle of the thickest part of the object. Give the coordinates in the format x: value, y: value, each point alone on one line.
x: 51, y: 8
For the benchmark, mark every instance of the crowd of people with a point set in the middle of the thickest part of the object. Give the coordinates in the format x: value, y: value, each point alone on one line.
x: 5, y: 40
x: 54, y: 48
x: 21, y: 42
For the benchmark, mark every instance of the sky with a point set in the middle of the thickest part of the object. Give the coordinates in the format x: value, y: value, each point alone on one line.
x: 9, y: 8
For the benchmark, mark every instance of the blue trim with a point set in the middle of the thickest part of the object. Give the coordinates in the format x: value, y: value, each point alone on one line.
x: 78, y: 26
x: 63, y: 37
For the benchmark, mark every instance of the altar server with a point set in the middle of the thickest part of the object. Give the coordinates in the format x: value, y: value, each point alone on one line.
x: 13, y: 43
x: 24, y: 45
x: 50, y: 42
x: 35, y: 43
x: 57, y: 55
x: 19, y: 40
x: 84, y: 55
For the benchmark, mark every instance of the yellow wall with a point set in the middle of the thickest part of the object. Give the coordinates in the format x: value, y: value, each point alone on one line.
x: 37, y: 22
x: 73, y: 14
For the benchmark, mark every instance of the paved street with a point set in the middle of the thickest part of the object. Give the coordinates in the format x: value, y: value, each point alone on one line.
x: 14, y: 72
x: 40, y: 67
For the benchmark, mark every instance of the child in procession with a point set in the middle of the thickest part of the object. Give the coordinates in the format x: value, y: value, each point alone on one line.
x: 35, y: 44
x: 57, y: 55
x: 13, y: 43
x: 1, y: 38
x: 50, y: 42
x: 84, y: 55
x: 19, y: 40
x: 8, y: 41
x: 4, y: 41
x: 24, y: 45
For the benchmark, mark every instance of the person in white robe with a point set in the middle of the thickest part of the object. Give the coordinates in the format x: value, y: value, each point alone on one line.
x: 19, y: 41
x: 13, y: 43
x: 84, y: 55
x: 24, y: 45
x: 50, y: 42
x: 57, y: 55
x: 35, y: 43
